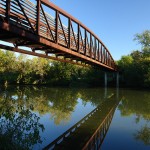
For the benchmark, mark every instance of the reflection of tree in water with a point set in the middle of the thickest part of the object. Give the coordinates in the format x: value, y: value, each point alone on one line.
x: 143, y: 135
x: 95, y: 96
x: 59, y: 102
x: 137, y: 103
x: 20, y: 129
x: 20, y: 126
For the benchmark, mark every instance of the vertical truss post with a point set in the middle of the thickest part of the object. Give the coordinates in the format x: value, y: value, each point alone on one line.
x: 7, y: 10
x: 69, y: 36
x: 111, y: 61
x: 106, y: 58
x: 38, y: 17
x: 98, y: 51
x: 78, y: 38
x: 90, y: 45
x: 85, y: 42
x: 95, y: 48
x: 104, y: 55
x: 56, y: 27
x: 101, y: 52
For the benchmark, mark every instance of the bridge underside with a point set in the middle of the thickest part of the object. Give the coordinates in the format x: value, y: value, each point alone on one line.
x: 47, y: 36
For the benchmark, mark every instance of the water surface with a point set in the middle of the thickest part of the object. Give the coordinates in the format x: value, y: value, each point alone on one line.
x: 32, y: 117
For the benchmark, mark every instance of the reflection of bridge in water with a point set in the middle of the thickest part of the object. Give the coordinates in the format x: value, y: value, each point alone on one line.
x: 90, y: 131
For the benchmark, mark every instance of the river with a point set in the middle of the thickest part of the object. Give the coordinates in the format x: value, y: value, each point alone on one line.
x: 35, y: 118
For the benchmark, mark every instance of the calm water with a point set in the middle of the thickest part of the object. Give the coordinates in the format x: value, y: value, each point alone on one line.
x: 32, y: 117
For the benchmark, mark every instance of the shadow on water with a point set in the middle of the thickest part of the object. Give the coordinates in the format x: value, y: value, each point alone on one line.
x: 19, y: 120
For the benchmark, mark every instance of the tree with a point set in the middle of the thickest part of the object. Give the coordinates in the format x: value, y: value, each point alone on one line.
x: 125, y: 61
x: 143, y: 38
x: 136, y: 66
x: 7, y: 67
x: 40, y: 68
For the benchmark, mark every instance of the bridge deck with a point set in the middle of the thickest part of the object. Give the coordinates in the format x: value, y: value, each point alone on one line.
x: 24, y: 23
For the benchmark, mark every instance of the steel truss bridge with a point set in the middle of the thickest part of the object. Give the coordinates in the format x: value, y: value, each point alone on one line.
x: 48, y: 31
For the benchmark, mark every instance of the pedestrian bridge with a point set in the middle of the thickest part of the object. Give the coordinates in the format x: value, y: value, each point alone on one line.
x: 39, y: 28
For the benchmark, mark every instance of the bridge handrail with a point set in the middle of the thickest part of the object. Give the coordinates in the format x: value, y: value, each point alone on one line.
x: 53, y: 6
x: 33, y: 18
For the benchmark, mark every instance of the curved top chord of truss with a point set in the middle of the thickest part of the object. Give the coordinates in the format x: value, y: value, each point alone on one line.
x: 52, y: 33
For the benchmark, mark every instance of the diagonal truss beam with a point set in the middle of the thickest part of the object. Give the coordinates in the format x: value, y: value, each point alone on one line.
x: 22, y: 9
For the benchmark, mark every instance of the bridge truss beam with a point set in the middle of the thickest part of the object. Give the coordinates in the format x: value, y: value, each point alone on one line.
x: 24, y: 23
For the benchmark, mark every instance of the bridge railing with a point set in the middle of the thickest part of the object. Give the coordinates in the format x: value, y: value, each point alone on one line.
x: 60, y: 27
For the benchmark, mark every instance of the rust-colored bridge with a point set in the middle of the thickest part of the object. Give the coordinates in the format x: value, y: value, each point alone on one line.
x: 50, y: 32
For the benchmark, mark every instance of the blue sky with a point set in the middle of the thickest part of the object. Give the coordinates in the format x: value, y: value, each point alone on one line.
x: 115, y: 22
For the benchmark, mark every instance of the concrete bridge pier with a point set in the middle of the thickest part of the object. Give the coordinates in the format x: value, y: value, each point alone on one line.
x: 106, y: 79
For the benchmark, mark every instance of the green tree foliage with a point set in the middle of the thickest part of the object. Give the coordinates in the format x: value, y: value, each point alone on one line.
x: 143, y: 38
x: 7, y: 66
x: 22, y: 70
x: 136, y: 66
